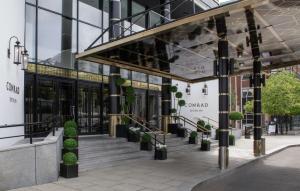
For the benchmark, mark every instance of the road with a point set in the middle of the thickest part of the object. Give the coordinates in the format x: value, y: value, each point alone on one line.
x: 279, y: 172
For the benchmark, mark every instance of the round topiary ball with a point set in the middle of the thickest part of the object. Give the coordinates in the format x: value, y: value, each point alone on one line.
x: 146, y: 138
x: 70, y: 159
x: 70, y: 123
x: 208, y: 127
x: 70, y: 132
x: 236, y: 116
x: 70, y: 144
x: 201, y: 123
x: 194, y: 134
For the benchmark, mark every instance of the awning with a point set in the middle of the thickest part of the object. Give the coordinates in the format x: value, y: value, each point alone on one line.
x: 190, y: 44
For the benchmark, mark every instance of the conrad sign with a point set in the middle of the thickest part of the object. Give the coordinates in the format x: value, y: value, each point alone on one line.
x: 12, y: 88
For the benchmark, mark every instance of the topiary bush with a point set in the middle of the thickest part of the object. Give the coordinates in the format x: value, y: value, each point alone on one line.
x: 69, y: 159
x: 70, y: 132
x: 70, y: 144
x: 70, y: 124
x: 207, y: 127
x: 193, y: 134
x: 201, y: 123
x: 146, y: 138
x: 234, y: 116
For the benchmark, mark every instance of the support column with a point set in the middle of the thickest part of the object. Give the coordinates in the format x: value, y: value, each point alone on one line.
x: 114, y: 16
x: 114, y: 90
x: 114, y: 93
x: 166, y: 96
x: 256, y: 80
x: 223, y: 71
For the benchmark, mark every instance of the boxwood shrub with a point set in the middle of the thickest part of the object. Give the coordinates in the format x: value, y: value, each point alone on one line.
x: 70, y: 144
x: 69, y: 159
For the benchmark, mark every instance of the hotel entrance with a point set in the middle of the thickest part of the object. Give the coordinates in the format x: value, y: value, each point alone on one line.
x: 90, y: 109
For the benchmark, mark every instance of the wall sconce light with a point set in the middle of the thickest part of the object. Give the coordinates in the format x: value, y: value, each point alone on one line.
x: 205, y: 89
x: 188, y: 89
x: 20, y: 53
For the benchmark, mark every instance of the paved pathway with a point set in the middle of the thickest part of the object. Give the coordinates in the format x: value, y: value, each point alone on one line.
x: 279, y: 172
x: 181, y: 172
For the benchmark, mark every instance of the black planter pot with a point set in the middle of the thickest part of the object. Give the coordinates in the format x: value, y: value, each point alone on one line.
x: 75, y: 151
x: 193, y: 140
x: 172, y: 128
x: 232, y: 141
x: 67, y: 171
x: 133, y: 137
x: 122, y: 131
x: 181, y: 132
x: 146, y: 146
x: 160, y: 154
x: 205, y: 146
x: 65, y: 137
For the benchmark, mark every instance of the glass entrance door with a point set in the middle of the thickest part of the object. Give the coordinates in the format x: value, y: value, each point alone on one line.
x: 89, y: 109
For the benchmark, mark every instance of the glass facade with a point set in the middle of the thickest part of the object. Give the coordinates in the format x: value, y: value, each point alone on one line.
x: 58, y: 85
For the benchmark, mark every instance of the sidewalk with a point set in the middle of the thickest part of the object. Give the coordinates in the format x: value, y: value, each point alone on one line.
x: 181, y: 172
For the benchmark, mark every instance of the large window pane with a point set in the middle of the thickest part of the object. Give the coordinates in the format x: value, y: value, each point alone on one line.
x: 155, y: 80
x: 89, y: 12
x: 56, y: 40
x: 69, y: 8
x: 140, y: 19
x: 30, y: 32
x: 89, y: 67
x: 31, y: 1
x: 124, y: 8
x: 137, y: 76
x: 87, y: 34
x: 54, y: 5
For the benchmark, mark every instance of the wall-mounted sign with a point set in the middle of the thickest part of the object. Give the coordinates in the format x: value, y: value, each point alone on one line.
x: 12, y: 88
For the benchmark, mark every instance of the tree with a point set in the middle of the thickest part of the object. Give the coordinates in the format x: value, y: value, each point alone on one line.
x: 281, y: 95
x: 249, y: 106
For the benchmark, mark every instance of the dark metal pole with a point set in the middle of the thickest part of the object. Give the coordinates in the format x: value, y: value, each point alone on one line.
x: 256, y: 80
x: 223, y: 71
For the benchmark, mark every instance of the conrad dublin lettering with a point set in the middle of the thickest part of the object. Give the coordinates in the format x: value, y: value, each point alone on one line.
x: 12, y: 88
x: 196, y: 106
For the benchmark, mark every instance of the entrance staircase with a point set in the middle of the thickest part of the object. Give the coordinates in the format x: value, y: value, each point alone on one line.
x: 103, y: 151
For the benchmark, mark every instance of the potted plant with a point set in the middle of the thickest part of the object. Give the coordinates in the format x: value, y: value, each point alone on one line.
x: 231, y: 140
x: 128, y: 93
x: 160, y: 152
x: 172, y: 127
x: 70, y: 123
x: 181, y: 131
x: 69, y: 167
x: 201, y: 124
x: 193, y: 139
x: 208, y: 129
x: 235, y: 116
x: 70, y: 132
x: 133, y: 134
x: 70, y: 145
x: 146, y: 144
x: 205, y: 145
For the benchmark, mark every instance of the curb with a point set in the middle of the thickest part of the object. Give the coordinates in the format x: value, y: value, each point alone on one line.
x: 251, y: 162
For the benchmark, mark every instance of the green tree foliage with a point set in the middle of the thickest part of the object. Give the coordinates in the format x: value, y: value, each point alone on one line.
x: 234, y: 116
x: 249, y: 106
x: 281, y: 96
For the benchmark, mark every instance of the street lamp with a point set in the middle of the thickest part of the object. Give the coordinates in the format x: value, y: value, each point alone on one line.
x: 20, y: 53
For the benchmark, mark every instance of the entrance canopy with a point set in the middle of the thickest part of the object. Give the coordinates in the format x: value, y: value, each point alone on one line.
x: 190, y: 44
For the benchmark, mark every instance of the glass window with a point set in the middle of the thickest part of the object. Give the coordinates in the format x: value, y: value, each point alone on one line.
x: 30, y: 32
x: 53, y: 5
x: 56, y: 40
x: 137, y: 76
x: 69, y: 8
x: 124, y: 8
x: 155, y: 19
x: 89, y: 12
x: 155, y: 80
x: 87, y: 35
x: 140, y: 19
x: 31, y: 1
x: 89, y: 67
x: 106, y: 69
x: 125, y: 73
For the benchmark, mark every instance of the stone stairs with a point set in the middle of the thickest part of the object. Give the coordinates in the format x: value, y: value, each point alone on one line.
x: 102, y: 151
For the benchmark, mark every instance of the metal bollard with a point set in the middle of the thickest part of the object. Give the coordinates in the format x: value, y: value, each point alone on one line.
x: 263, y: 146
